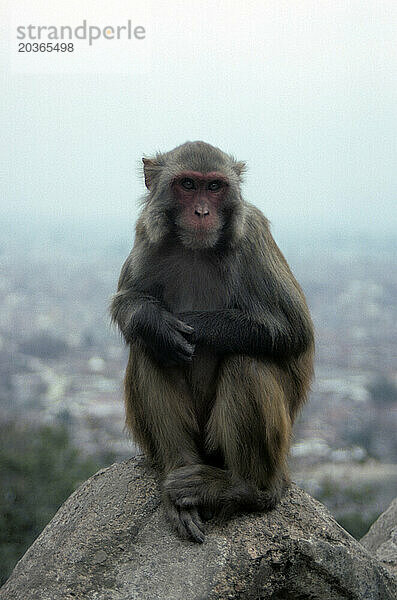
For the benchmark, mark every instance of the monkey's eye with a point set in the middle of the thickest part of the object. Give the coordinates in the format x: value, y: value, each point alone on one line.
x: 214, y: 186
x: 188, y: 184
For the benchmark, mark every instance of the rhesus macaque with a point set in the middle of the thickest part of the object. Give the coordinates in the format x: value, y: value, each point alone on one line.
x: 221, y: 340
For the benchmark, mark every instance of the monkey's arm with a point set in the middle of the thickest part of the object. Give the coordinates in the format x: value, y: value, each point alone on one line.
x: 237, y: 332
x: 141, y: 316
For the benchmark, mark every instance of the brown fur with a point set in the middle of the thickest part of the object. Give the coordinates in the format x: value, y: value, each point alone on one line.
x: 217, y: 426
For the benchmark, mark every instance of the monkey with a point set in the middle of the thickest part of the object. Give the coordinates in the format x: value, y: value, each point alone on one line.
x: 220, y: 337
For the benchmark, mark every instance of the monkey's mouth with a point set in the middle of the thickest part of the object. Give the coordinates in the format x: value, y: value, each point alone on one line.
x: 198, y: 232
x: 202, y: 224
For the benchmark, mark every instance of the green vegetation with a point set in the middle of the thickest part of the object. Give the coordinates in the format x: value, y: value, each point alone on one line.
x: 39, y: 469
x: 356, y: 523
x: 349, y: 505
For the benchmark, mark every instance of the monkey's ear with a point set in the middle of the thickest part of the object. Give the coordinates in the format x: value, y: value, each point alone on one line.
x: 239, y: 167
x: 151, y: 170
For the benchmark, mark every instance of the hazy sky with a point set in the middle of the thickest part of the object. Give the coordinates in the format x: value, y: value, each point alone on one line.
x: 306, y: 92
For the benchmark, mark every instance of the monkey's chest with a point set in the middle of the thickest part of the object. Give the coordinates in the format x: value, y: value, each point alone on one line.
x: 198, y: 288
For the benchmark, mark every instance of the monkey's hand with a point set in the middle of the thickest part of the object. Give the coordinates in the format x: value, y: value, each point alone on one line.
x: 164, y: 335
x: 169, y: 345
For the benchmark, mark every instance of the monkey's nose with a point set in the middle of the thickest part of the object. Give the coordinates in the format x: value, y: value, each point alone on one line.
x: 201, y: 211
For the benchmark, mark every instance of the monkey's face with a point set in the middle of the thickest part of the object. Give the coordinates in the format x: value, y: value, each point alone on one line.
x: 194, y: 195
x: 200, y: 200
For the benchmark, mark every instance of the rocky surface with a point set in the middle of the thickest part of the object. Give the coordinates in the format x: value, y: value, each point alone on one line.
x: 110, y: 541
x: 381, y: 539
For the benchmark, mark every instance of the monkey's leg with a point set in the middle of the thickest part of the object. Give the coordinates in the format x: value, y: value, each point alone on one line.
x: 160, y: 415
x: 250, y: 425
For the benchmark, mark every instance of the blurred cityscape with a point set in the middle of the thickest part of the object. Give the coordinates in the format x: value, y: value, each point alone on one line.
x: 61, y: 361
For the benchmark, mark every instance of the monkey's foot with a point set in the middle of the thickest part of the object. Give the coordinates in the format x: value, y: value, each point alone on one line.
x: 186, y: 485
x: 269, y: 498
x: 186, y: 521
x: 206, y: 513
x: 206, y: 486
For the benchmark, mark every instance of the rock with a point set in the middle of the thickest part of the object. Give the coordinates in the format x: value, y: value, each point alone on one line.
x: 110, y: 541
x: 381, y: 539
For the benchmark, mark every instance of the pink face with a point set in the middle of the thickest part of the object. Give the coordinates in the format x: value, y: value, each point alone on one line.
x: 200, y: 196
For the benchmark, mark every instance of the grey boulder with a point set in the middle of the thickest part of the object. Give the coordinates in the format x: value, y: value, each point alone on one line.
x: 381, y: 539
x: 110, y: 541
